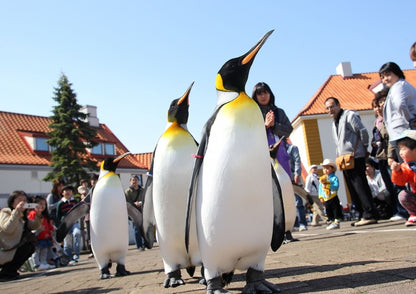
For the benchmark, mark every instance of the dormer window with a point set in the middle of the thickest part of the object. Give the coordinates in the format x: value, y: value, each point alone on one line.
x: 104, y: 149
x: 37, y: 142
x: 41, y: 145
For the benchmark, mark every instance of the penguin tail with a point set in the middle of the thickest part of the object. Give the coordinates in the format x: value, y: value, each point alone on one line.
x: 190, y: 270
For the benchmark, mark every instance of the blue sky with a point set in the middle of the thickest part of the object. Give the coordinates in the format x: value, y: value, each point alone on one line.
x: 132, y: 58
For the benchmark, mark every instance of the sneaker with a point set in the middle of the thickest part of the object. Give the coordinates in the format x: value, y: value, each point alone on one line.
x: 72, y: 262
x: 43, y: 267
x: 303, y: 228
x: 332, y: 226
x: 396, y: 218
x: 75, y: 257
x: 411, y: 221
x: 364, y: 222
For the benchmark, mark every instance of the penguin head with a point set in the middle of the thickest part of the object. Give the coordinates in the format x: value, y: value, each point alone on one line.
x: 179, y: 108
x: 110, y: 164
x: 233, y: 74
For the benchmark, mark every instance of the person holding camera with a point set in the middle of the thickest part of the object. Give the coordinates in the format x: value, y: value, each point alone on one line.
x: 16, y: 238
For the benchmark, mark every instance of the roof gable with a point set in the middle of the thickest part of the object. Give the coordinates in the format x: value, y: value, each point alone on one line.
x: 14, y: 149
x: 353, y: 92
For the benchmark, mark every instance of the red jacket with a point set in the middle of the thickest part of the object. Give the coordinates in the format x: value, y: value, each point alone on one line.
x: 46, y: 226
x: 403, y: 176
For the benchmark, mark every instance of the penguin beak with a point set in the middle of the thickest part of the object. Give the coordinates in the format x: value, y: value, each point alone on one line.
x: 117, y: 159
x: 185, y: 96
x: 233, y: 74
x: 249, y: 56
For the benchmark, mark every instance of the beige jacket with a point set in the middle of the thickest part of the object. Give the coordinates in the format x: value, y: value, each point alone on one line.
x: 11, y: 229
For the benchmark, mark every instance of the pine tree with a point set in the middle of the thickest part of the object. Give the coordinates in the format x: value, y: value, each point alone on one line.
x: 69, y: 137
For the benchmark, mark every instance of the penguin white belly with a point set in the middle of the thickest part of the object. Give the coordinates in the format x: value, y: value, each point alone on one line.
x: 109, y: 221
x: 173, y: 165
x: 288, y: 195
x: 234, y: 199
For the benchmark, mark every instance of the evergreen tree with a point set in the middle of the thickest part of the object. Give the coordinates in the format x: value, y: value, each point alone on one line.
x: 69, y: 137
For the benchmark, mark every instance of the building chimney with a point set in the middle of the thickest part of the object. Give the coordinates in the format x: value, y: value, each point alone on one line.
x: 344, y: 69
x: 91, y: 112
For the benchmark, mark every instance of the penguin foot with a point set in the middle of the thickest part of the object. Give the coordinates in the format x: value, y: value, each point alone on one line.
x: 202, y: 281
x: 121, y: 271
x: 257, y: 284
x: 190, y: 270
x: 215, y: 286
x: 105, y: 273
x: 227, y: 277
x: 173, y: 279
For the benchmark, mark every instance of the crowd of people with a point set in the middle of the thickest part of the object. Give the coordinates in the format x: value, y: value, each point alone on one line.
x: 382, y: 182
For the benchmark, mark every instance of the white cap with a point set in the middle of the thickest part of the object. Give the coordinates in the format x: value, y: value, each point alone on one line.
x: 312, y: 166
x: 329, y: 162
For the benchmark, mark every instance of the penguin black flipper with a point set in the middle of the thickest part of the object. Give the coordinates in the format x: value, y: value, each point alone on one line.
x: 199, y: 157
x: 135, y: 215
x: 148, y: 212
x: 279, y: 214
x: 79, y: 210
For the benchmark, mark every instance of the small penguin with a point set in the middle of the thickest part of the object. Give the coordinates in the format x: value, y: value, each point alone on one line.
x: 165, y: 199
x: 109, y: 220
x: 236, y: 194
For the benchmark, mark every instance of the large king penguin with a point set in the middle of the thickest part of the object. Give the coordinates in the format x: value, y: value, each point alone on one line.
x: 239, y: 210
x: 109, y: 220
x: 166, y: 197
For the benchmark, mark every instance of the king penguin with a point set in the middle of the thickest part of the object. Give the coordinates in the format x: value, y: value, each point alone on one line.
x: 171, y: 171
x: 236, y: 195
x: 109, y: 220
x: 287, y: 195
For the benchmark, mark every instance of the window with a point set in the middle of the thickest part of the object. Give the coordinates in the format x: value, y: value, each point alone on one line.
x: 104, y: 149
x: 109, y: 149
x: 41, y: 145
x: 98, y: 149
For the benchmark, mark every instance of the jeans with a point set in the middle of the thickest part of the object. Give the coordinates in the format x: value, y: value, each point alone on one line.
x: 72, y: 241
x: 300, y: 212
x: 138, y: 237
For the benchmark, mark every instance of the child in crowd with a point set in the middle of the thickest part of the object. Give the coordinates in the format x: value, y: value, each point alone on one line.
x: 311, y: 186
x: 328, y: 194
x: 404, y: 173
x: 43, y: 250
x: 72, y: 241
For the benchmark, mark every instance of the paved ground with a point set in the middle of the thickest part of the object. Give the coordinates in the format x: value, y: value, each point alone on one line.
x: 378, y: 259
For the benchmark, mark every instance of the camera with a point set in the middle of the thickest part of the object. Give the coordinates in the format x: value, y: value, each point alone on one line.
x: 30, y: 205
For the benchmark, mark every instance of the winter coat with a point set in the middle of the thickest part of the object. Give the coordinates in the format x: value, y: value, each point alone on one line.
x: 350, y: 129
x: 403, y: 176
x: 399, y: 108
x: 11, y: 228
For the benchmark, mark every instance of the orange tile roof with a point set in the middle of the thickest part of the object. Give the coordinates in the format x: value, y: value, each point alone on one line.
x: 14, y: 149
x: 352, y: 92
x: 145, y: 159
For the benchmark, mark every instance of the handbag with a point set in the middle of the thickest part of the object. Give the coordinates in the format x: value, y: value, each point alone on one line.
x: 346, y: 161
